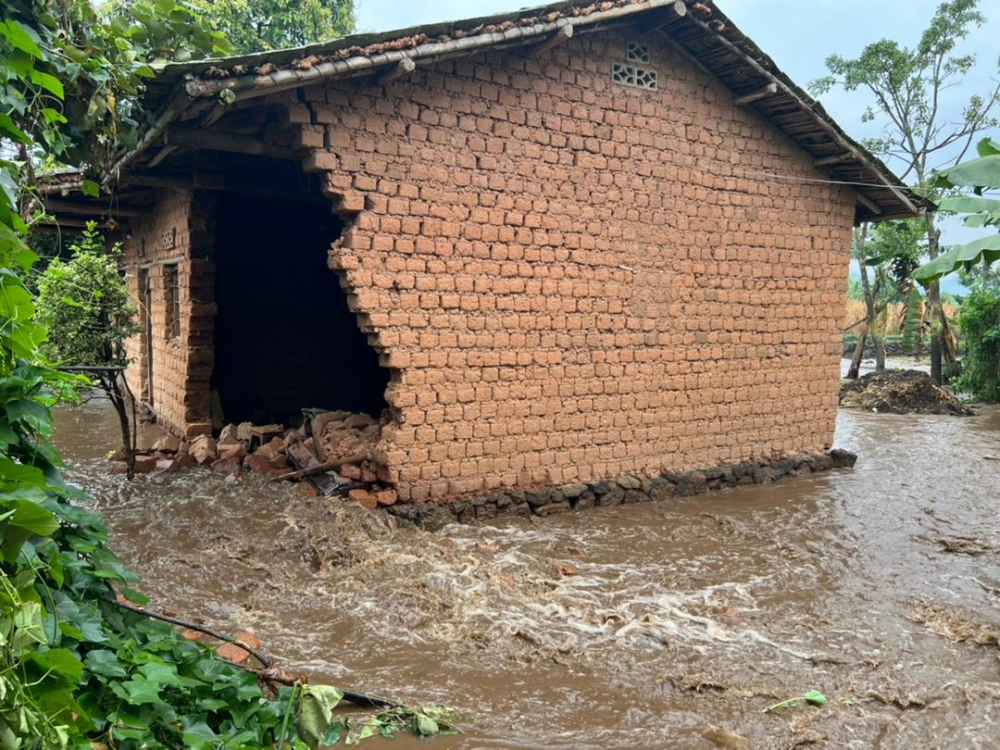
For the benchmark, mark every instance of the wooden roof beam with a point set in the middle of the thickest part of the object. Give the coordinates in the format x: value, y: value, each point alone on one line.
x: 670, y: 14
x: 57, y: 207
x: 199, y: 182
x: 400, y: 70
x: 828, y: 161
x: 160, y: 156
x: 215, y: 140
x: 761, y: 93
x: 48, y: 223
x: 215, y: 183
x: 563, y: 35
x: 869, y: 203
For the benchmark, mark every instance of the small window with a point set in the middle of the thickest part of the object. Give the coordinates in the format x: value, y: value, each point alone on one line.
x: 633, y: 75
x: 638, y: 53
x: 172, y: 294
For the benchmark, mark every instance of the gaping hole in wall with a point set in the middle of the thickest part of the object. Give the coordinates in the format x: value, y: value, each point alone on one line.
x: 284, y: 336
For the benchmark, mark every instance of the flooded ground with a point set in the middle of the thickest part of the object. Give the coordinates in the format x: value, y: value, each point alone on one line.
x: 679, y: 622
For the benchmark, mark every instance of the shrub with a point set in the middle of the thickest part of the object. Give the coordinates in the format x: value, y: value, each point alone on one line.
x: 980, y: 323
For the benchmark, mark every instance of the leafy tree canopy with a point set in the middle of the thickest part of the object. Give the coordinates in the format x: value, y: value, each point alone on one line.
x: 70, y: 77
x: 923, y: 129
x: 907, y: 85
x: 259, y: 25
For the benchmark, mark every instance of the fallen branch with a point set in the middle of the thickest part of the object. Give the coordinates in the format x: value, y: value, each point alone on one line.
x: 321, y: 468
x: 200, y: 628
x: 270, y: 672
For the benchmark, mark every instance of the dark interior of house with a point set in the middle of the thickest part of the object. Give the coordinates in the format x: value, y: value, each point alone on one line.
x: 284, y: 336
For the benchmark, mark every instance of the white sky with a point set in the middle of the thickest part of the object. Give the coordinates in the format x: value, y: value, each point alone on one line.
x: 797, y: 34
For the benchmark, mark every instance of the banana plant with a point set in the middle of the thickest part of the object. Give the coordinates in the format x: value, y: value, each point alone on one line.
x: 982, y: 210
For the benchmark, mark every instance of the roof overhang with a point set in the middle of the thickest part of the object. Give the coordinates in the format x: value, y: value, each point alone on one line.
x: 200, y: 93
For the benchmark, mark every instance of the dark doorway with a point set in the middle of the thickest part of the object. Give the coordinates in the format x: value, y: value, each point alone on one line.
x: 284, y: 336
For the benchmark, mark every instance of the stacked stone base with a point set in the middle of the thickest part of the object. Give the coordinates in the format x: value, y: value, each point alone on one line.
x: 625, y: 490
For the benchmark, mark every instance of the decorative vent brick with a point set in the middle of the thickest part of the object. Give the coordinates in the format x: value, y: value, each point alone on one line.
x: 637, y: 53
x: 634, y: 75
x: 168, y: 239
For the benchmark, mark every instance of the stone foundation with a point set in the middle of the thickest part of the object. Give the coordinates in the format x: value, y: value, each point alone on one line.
x: 625, y: 490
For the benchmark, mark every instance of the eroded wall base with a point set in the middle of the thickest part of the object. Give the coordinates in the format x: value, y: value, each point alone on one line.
x: 625, y: 490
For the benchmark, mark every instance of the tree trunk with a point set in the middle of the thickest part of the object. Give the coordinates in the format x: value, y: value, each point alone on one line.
x: 111, y: 387
x: 871, y: 299
x: 879, y: 353
x: 859, y: 351
x: 934, y: 301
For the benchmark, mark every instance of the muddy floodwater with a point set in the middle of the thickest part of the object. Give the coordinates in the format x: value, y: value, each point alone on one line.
x: 677, y: 624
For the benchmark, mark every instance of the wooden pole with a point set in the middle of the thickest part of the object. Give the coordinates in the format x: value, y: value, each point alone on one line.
x: 403, y: 68
x: 563, y: 35
x: 247, y: 87
x: 868, y: 203
x: 80, y: 209
x: 199, y: 182
x: 178, y: 102
x: 672, y: 13
x: 215, y: 140
x: 827, y: 161
x: 322, y: 467
x: 160, y: 156
x: 762, y: 93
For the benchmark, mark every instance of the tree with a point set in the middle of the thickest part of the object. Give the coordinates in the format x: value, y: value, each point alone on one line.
x: 908, y: 86
x: 258, y: 25
x: 86, y: 306
x: 891, y: 250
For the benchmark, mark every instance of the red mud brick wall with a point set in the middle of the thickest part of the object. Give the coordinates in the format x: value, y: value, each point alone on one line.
x: 572, y: 279
x: 178, y: 233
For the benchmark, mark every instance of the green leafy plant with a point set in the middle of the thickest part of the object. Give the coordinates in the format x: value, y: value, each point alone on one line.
x: 813, y: 698
x: 86, y: 306
x: 318, y: 724
x: 78, y: 669
x: 980, y: 323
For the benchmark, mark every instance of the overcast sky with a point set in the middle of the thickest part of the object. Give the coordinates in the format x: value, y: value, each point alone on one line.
x: 798, y: 35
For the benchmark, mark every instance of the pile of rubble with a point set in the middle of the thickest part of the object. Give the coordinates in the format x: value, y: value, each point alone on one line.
x: 332, y: 450
x: 900, y: 392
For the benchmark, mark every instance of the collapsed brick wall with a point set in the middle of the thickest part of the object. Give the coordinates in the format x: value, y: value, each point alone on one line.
x: 178, y: 235
x: 571, y: 279
x: 568, y: 279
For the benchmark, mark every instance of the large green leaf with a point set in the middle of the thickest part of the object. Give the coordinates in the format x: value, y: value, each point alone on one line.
x: 988, y: 147
x: 970, y: 204
x: 21, y: 38
x: 10, y: 130
x: 981, y: 172
x: 31, y: 517
x: 30, y: 414
x: 316, y: 712
x: 964, y: 256
x: 15, y: 300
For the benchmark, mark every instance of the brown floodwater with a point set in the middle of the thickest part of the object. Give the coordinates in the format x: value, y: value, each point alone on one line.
x: 878, y: 586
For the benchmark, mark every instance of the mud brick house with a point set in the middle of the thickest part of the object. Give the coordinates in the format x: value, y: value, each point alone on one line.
x: 559, y: 245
